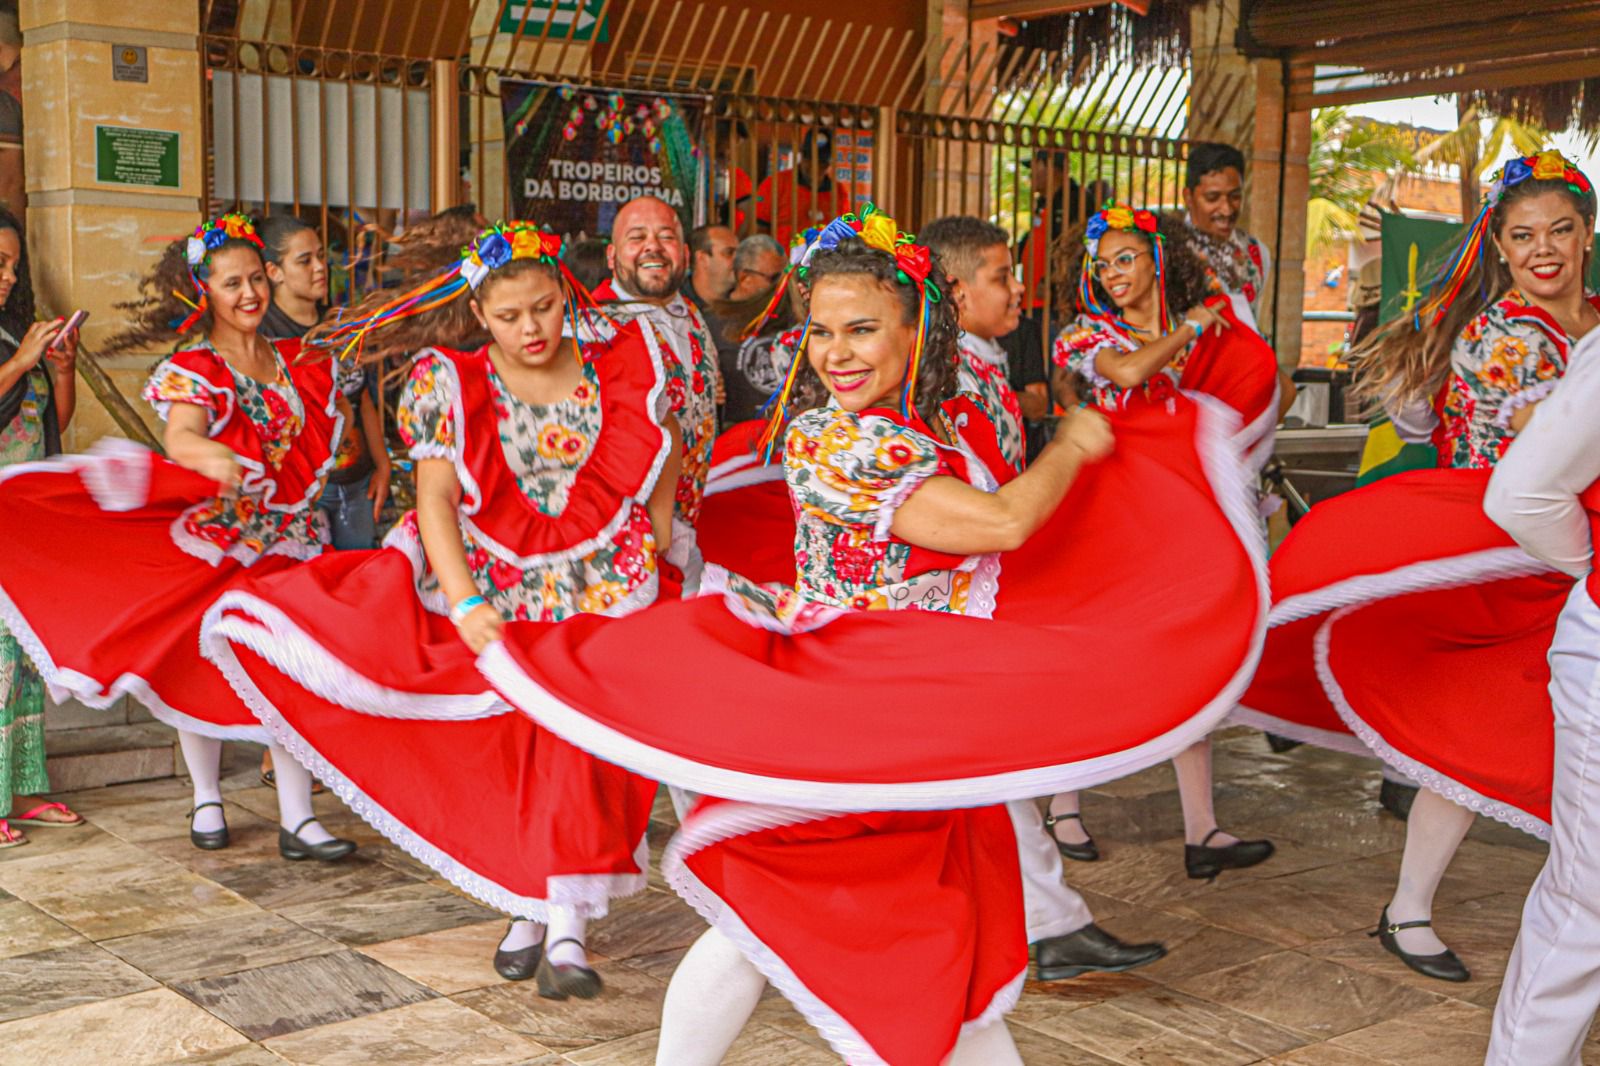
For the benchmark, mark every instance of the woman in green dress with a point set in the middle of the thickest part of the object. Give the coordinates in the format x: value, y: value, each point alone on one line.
x: 37, y: 395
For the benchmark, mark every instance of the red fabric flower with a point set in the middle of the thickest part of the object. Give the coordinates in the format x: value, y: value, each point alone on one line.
x: 914, y: 260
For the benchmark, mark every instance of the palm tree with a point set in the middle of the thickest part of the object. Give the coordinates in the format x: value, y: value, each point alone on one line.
x: 1473, y: 149
x: 1350, y: 157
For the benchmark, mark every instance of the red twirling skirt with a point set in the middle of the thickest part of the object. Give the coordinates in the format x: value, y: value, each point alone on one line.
x: 908, y: 714
x: 381, y: 700
x: 102, y: 598
x: 849, y: 915
x: 1404, y: 622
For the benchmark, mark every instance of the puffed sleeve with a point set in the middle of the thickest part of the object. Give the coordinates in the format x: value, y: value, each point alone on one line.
x: 855, y: 469
x: 179, y: 380
x: 426, y: 418
x: 1079, y: 345
x: 1507, y: 362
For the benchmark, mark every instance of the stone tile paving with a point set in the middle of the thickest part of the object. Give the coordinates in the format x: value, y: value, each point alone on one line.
x: 121, y: 943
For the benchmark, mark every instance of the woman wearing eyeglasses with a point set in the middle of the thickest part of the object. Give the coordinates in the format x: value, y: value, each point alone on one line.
x: 1128, y: 345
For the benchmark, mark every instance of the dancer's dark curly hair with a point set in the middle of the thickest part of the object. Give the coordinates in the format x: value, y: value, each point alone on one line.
x: 1185, y: 276
x: 158, y: 310
x: 430, y: 249
x: 17, y: 314
x: 936, y: 381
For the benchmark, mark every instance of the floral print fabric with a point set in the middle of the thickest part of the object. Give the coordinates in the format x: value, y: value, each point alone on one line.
x: 23, y: 440
x: 239, y: 526
x: 986, y: 383
x: 1239, y: 261
x: 545, y: 445
x: 1506, y: 358
x: 1080, y: 344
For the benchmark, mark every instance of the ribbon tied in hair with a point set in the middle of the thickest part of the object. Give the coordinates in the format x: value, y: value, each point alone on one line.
x: 206, y: 239
x: 1124, y: 219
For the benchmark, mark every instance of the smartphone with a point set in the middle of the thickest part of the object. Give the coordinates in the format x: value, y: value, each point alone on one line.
x: 73, y: 323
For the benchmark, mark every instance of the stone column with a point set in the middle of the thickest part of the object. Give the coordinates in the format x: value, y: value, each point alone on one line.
x: 1240, y: 100
x: 104, y: 194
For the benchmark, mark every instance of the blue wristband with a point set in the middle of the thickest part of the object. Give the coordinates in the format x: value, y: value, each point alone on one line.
x: 459, y: 612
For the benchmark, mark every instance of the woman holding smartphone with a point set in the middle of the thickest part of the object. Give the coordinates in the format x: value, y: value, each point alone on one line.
x: 37, y: 396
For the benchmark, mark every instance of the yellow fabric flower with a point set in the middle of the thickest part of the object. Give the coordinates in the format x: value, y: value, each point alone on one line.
x: 1119, y: 217
x: 879, y: 231
x: 525, y: 244
x: 1549, y: 165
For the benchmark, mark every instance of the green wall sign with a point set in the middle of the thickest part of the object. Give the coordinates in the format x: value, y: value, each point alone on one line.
x: 126, y: 156
x: 579, y: 19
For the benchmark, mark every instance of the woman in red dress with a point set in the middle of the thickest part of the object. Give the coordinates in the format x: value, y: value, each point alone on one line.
x: 912, y: 670
x: 1130, y: 346
x: 545, y: 472
x: 115, y: 555
x: 1405, y: 622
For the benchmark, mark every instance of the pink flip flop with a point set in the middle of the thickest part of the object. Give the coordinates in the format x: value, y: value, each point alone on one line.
x: 9, y: 837
x: 32, y: 817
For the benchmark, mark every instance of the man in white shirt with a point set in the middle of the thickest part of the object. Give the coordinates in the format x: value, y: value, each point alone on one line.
x: 1545, y: 494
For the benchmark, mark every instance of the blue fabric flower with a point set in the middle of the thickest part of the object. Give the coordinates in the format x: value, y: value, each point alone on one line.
x: 1097, y: 226
x: 836, y: 231
x: 215, y: 238
x: 495, y: 251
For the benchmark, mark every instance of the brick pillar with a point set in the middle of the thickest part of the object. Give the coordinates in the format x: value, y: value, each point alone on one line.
x: 1240, y: 100
x: 91, y: 235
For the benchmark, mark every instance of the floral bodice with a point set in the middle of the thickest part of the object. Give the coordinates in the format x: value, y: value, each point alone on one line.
x: 1508, y: 357
x: 689, y: 356
x: 985, y: 380
x: 545, y: 446
x: 847, y: 476
x: 240, y: 526
x: 1080, y: 344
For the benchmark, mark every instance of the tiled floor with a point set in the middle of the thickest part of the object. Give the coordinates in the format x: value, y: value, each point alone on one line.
x: 122, y: 944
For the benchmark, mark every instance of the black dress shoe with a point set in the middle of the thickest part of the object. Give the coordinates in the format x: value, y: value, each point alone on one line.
x: 1089, y: 950
x: 1279, y: 745
x: 558, y: 980
x: 1396, y: 797
x: 208, y: 840
x: 1085, y: 852
x: 1445, y: 966
x: 519, y: 964
x: 291, y: 847
x: 1205, y: 863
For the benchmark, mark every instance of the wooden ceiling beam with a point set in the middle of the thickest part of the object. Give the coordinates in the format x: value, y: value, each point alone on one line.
x: 1028, y: 9
x: 1283, y: 24
x: 1519, y: 37
x: 1509, y: 76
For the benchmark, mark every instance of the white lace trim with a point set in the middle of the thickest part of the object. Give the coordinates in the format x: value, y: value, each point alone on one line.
x: 588, y: 895
x: 163, y: 408
x: 1418, y: 771
x: 472, y: 495
x: 1489, y: 564
x: 1305, y: 734
x: 270, y: 634
x: 728, y: 477
x: 1520, y: 399
x: 65, y: 683
x: 119, y: 478
x: 728, y: 821
x: 213, y: 554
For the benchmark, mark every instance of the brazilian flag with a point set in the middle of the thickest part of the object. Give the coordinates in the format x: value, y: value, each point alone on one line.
x: 1385, y: 453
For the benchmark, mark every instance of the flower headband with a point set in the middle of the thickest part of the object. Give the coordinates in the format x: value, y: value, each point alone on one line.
x: 1549, y: 165
x: 206, y: 239
x: 1119, y: 216
x: 494, y: 248
x: 913, y: 266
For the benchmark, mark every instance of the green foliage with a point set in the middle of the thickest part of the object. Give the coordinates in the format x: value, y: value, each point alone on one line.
x: 1350, y: 157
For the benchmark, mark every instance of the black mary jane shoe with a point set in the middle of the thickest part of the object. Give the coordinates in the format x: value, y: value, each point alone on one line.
x: 519, y: 964
x: 1204, y: 863
x: 291, y: 847
x: 207, y: 840
x: 1445, y: 966
x: 1089, y: 950
x: 559, y: 981
x: 1280, y: 744
x: 1396, y: 797
x: 1088, y: 851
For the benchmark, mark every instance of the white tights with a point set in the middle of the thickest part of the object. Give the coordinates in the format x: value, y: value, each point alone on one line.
x: 203, y: 758
x: 715, y: 989
x: 564, y: 934
x: 1193, y: 767
x: 1433, y: 833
